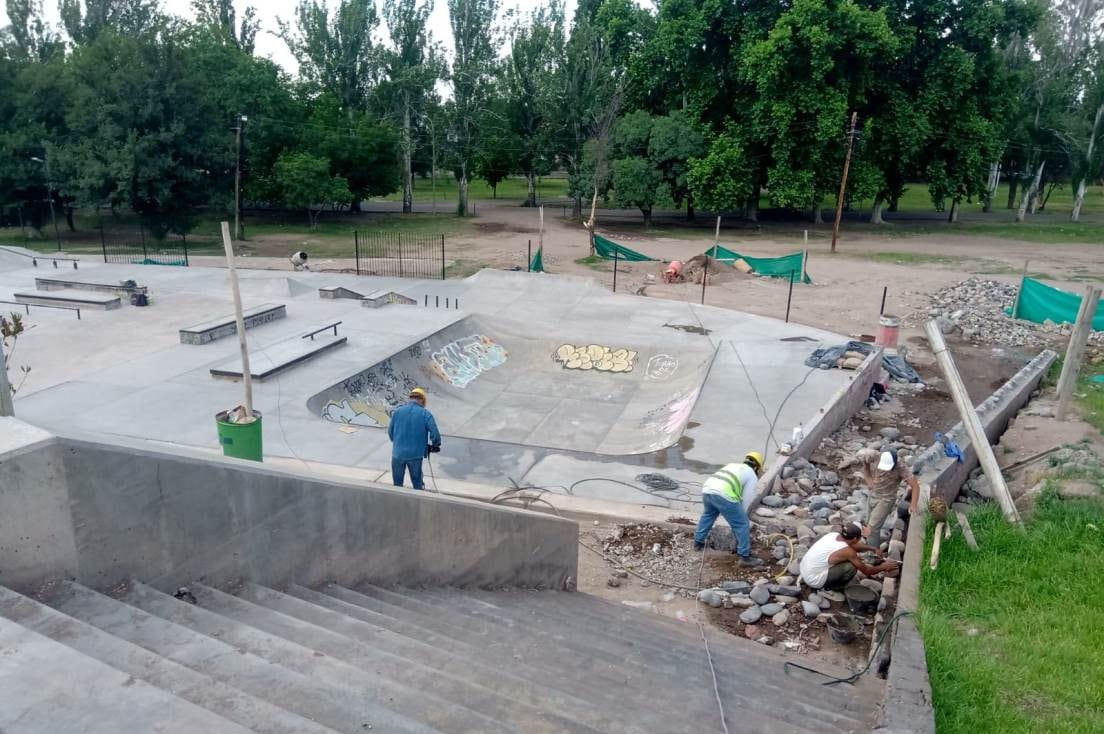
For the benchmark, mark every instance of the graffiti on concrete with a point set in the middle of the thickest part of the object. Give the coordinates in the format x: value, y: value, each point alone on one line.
x: 594, y: 357
x: 357, y: 413
x: 669, y: 418
x: 461, y: 361
x: 660, y: 367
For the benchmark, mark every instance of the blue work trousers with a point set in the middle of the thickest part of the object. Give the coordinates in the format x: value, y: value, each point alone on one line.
x: 733, y: 513
x: 399, y: 467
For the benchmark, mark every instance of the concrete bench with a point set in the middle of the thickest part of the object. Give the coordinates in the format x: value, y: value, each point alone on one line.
x: 381, y: 298
x: 118, y: 289
x: 75, y: 299
x: 208, y: 331
x: 264, y: 363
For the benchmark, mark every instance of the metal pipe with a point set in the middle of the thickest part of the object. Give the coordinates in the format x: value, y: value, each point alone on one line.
x: 885, y: 290
x: 789, y: 297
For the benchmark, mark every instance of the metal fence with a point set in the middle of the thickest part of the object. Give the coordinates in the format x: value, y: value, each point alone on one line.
x: 164, y: 253
x: 399, y: 255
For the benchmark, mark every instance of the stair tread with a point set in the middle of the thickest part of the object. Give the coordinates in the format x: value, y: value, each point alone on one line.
x: 303, y: 694
x: 185, y: 683
x: 657, y: 664
x: 49, y: 687
x: 444, y: 687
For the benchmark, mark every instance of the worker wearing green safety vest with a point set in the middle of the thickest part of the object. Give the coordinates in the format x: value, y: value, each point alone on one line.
x: 723, y: 494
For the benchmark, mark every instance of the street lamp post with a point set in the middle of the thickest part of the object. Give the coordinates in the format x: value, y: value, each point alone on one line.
x: 45, y: 161
x: 242, y: 119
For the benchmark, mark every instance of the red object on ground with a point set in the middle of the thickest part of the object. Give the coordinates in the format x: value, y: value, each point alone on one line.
x: 673, y: 272
x: 888, y: 329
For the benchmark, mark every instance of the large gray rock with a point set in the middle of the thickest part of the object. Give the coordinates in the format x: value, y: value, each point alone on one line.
x: 890, y: 433
x: 772, y: 500
x: 781, y: 618
x: 737, y: 586
x: 829, y: 478
x: 771, y: 609
x: 751, y: 615
x: 741, y: 601
x: 819, y: 502
x: 809, y: 609
x: 760, y: 594
x: 833, y: 596
x: 787, y: 589
x: 785, y: 600
x: 787, y: 472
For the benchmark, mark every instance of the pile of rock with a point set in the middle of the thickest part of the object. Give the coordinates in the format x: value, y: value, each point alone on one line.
x: 976, y: 308
x: 653, y: 551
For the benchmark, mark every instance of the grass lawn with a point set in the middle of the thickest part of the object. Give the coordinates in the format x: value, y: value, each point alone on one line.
x: 514, y: 187
x: 1013, y: 632
x: 1091, y: 395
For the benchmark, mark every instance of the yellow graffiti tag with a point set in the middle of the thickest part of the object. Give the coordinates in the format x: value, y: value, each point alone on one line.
x: 595, y: 357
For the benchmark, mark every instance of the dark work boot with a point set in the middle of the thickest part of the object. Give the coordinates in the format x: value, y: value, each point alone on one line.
x: 749, y: 561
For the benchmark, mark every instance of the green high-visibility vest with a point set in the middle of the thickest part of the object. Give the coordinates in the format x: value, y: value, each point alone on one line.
x: 726, y: 483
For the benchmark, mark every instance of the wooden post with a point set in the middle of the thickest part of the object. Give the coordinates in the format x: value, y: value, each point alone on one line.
x: 590, y: 225
x: 529, y: 259
x: 615, y: 251
x: 1016, y: 305
x: 843, y: 180
x: 247, y: 376
x: 967, y: 531
x: 937, y: 543
x: 705, y: 277
x: 1076, y: 350
x: 717, y: 236
x: 970, y: 420
x: 7, y: 405
x: 540, y: 235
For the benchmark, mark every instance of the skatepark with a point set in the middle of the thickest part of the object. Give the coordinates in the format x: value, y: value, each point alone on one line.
x: 535, y: 379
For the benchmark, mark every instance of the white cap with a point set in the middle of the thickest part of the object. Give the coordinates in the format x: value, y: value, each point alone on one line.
x: 886, y: 462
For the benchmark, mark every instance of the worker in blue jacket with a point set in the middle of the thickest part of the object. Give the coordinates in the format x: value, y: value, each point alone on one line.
x: 413, y: 434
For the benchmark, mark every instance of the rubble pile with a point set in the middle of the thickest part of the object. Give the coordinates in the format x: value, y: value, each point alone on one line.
x: 655, y: 552
x: 975, y: 307
x: 1070, y: 465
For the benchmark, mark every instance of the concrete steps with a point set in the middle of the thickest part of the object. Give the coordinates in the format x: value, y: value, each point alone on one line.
x: 335, y: 659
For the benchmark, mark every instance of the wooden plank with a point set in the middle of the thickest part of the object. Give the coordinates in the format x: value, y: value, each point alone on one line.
x: 967, y: 531
x: 936, y: 544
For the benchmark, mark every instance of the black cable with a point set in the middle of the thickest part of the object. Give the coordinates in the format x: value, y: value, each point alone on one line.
x: 873, y: 656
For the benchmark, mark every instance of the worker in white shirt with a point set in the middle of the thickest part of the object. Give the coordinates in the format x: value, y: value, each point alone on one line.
x: 834, y: 559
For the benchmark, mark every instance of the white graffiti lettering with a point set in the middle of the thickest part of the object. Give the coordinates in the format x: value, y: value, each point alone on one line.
x: 461, y: 361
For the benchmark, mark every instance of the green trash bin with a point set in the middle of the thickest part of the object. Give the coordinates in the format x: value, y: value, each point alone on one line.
x: 240, y: 440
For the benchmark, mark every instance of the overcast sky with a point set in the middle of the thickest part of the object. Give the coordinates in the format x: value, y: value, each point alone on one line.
x: 270, y: 46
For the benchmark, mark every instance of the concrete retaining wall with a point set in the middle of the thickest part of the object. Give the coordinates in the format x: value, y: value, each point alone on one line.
x: 101, y: 514
x: 907, y: 706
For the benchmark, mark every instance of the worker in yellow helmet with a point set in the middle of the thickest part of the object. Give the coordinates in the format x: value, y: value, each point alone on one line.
x: 414, y: 435
x: 723, y: 494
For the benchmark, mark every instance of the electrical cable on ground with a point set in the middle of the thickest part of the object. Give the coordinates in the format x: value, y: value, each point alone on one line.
x: 873, y: 656
x: 713, y: 672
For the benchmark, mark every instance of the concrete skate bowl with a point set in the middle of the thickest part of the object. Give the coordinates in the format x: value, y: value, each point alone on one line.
x: 495, y: 380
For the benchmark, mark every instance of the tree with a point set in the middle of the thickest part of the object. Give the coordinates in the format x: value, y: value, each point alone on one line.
x: 335, y: 54
x: 28, y: 37
x: 413, y: 65
x: 497, y: 155
x: 472, y: 67
x: 84, y: 22
x: 219, y: 17
x: 361, y: 150
x: 724, y: 178
x: 674, y: 140
x: 304, y: 182
x: 635, y: 178
x: 531, y: 68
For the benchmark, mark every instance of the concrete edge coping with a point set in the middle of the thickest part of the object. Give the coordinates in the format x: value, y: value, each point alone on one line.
x: 906, y: 707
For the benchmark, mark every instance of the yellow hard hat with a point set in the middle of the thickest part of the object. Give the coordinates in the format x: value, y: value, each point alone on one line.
x: 418, y: 392
x: 756, y: 457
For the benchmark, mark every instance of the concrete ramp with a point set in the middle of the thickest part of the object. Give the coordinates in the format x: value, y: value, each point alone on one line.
x: 497, y: 380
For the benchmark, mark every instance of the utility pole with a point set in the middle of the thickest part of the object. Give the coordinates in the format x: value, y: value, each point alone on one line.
x: 237, y: 176
x: 843, y: 181
x: 1075, y: 352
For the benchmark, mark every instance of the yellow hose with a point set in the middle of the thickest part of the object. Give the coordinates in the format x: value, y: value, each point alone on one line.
x: 789, y: 542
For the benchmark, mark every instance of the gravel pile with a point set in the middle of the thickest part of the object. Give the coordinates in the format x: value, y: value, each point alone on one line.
x: 975, y: 307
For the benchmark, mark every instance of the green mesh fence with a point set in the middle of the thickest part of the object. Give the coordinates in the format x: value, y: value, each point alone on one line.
x: 605, y: 249
x: 787, y: 266
x: 1038, y: 302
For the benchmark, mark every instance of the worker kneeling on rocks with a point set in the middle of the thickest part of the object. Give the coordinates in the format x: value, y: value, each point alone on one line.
x: 834, y: 559
x: 723, y: 494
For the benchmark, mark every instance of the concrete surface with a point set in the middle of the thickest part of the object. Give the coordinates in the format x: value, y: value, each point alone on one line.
x: 530, y: 420
x: 98, y: 514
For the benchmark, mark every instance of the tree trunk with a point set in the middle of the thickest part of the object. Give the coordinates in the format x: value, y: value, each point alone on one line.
x: 1013, y: 184
x: 690, y: 207
x: 577, y: 207
x: 752, y: 208
x: 1029, y: 195
x: 462, y: 191
x: 991, y: 187
x: 818, y: 215
x: 893, y: 202
x: 494, y: 191
x: 647, y: 216
x: 1046, y: 197
x: 876, y: 210
x: 531, y: 193
x: 408, y: 158
x: 953, y: 216
x: 1078, y: 200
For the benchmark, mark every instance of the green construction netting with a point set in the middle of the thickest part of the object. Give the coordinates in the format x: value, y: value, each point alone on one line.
x: 605, y: 248
x: 787, y: 266
x: 1038, y: 302
x: 537, y: 264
